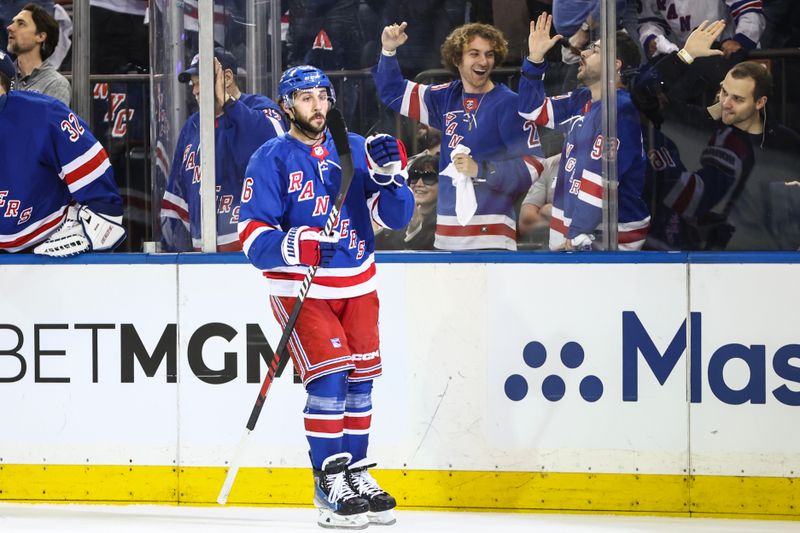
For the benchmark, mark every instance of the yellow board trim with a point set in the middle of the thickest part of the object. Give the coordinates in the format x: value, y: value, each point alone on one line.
x: 719, y: 496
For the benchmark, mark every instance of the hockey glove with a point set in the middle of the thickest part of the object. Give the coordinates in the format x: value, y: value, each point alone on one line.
x: 83, y: 230
x: 581, y: 243
x: 308, y: 246
x: 387, y: 160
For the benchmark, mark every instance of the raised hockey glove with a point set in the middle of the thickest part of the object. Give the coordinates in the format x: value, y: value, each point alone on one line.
x: 304, y: 245
x: 83, y: 230
x: 387, y: 160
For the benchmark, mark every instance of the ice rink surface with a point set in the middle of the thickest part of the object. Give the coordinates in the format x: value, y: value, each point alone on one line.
x: 47, y: 518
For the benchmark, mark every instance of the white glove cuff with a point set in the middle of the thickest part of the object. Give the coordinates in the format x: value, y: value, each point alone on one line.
x: 390, y: 174
x: 664, y: 45
x: 582, y: 241
x: 395, y: 167
x: 290, y: 246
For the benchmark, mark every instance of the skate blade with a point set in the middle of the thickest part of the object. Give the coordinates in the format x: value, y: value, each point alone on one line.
x: 382, y: 518
x: 330, y: 520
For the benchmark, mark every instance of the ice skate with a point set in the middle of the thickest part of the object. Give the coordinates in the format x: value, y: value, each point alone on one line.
x: 381, y: 503
x: 339, y: 507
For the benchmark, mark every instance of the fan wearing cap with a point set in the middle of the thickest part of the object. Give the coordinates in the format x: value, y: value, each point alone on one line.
x: 243, y: 123
x: 58, y: 196
x: 292, y: 183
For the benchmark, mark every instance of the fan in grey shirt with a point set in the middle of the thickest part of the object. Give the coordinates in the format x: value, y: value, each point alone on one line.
x: 32, y: 36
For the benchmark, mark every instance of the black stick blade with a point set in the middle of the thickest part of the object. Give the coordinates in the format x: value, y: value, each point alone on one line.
x: 338, y: 131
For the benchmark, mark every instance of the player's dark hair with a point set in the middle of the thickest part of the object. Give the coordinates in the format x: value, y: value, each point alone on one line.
x: 453, y: 46
x: 5, y: 82
x: 628, y: 53
x: 45, y: 23
x: 759, y: 74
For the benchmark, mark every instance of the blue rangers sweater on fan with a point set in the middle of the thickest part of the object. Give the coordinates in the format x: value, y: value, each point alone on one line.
x: 287, y: 186
x: 48, y: 159
x: 705, y: 198
x: 578, y: 197
x: 244, y: 125
x: 489, y: 126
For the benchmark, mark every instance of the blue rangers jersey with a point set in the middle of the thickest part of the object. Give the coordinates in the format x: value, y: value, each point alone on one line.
x: 244, y: 126
x: 505, y: 146
x: 705, y: 198
x: 668, y: 230
x: 48, y: 158
x: 578, y: 197
x: 290, y: 184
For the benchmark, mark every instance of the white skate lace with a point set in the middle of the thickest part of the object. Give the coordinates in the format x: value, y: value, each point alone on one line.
x: 365, y: 483
x: 339, y: 488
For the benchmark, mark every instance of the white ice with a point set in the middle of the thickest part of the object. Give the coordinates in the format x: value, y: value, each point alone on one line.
x: 30, y: 518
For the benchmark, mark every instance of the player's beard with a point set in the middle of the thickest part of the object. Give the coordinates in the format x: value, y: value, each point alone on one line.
x: 307, y: 127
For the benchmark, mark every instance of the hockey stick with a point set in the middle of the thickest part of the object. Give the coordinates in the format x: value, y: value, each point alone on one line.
x: 338, y: 131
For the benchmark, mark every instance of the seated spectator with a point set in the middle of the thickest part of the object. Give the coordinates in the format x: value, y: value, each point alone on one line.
x: 665, y: 26
x: 244, y: 122
x: 59, y: 194
x: 423, y: 178
x: 32, y: 37
x: 578, y: 198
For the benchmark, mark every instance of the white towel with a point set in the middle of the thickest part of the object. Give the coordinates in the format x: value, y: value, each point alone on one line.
x: 466, y: 204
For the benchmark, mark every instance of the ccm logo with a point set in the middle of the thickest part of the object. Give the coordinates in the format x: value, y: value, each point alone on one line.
x: 366, y: 356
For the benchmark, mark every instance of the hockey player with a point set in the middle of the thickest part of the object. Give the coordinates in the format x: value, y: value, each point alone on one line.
x: 489, y: 155
x: 578, y: 197
x: 243, y: 123
x: 57, y: 188
x: 290, y: 184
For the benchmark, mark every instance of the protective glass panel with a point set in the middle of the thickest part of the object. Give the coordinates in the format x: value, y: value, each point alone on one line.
x: 723, y: 156
x: 244, y: 46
